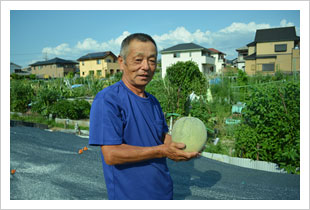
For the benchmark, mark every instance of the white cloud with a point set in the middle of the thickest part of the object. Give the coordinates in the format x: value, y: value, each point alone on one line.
x: 181, y: 35
x: 226, y: 40
x: 284, y: 23
x: 61, y: 49
x: 85, y: 46
x: 243, y: 27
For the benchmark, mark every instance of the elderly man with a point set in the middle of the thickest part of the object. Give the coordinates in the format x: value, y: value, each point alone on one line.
x: 129, y: 126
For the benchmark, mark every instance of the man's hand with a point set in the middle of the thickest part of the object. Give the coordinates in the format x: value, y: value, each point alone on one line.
x: 175, y: 151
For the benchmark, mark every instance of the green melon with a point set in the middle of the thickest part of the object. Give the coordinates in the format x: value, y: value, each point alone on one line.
x: 191, y: 131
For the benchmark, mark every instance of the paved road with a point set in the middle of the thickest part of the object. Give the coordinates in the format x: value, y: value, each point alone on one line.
x: 48, y: 167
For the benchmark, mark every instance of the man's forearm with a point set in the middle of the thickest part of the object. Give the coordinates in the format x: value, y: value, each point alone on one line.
x: 124, y: 153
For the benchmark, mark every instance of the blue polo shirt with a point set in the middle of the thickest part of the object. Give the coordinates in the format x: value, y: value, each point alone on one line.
x: 118, y: 116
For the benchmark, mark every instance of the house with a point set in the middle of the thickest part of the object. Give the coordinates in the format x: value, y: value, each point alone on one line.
x: 54, y: 68
x: 99, y: 64
x: 275, y: 49
x: 14, y: 68
x: 240, y: 62
x: 188, y: 51
x: 220, y: 61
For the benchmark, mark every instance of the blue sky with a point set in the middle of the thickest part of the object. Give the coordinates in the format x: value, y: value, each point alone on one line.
x: 70, y: 34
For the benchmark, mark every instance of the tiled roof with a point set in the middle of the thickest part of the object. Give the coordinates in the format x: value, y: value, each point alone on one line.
x: 96, y: 55
x: 53, y: 61
x: 184, y: 47
x: 216, y: 51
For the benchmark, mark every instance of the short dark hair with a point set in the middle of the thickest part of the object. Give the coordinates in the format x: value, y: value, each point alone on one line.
x: 136, y: 36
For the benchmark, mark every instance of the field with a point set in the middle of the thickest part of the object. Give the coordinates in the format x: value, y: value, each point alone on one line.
x: 267, y: 127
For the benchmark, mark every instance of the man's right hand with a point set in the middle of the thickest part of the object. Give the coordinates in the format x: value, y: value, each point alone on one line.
x: 175, y: 151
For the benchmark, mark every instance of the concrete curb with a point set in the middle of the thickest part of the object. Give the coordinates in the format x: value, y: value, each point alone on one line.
x: 245, y: 162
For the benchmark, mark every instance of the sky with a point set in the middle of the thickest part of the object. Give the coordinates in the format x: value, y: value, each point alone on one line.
x: 69, y: 34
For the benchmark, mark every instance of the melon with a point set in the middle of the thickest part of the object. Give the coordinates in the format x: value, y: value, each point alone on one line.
x: 191, y: 131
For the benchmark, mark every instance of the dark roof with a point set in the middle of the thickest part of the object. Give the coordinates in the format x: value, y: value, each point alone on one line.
x: 96, y: 55
x: 53, y: 61
x: 11, y: 63
x: 254, y: 56
x: 244, y: 48
x: 184, y: 47
x: 276, y: 34
x: 251, y: 44
x: 250, y: 57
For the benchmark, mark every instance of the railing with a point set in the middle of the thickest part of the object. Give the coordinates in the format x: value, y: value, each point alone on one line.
x: 209, y: 60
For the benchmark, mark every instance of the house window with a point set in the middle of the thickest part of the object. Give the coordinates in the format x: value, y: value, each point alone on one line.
x: 108, y: 60
x: 176, y: 55
x: 204, y: 53
x: 268, y: 67
x: 83, y: 73
x: 98, y: 61
x: 99, y: 73
x: 91, y: 72
x: 280, y: 47
x: 190, y: 54
x: 117, y: 71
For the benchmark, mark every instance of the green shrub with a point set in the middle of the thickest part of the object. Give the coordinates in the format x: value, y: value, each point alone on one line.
x: 219, y: 148
x: 21, y: 95
x: 271, y: 129
x: 77, y: 109
x: 185, y: 78
x: 201, y: 110
x: 163, y: 92
x: 44, y: 100
x: 83, y: 108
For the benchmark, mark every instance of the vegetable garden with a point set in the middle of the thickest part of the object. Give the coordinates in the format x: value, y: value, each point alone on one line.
x: 268, y: 127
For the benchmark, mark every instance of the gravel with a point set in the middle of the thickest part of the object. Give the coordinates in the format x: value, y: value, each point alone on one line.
x: 49, y: 167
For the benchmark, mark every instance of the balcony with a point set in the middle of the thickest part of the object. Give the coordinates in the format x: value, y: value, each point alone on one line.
x: 208, y: 60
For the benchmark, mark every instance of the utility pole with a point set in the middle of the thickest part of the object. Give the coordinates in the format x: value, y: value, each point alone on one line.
x: 45, y: 56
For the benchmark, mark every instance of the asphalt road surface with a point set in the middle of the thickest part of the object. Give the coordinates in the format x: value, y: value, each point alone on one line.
x: 49, y: 167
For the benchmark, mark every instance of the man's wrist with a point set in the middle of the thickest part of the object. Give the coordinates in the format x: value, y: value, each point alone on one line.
x: 161, y: 151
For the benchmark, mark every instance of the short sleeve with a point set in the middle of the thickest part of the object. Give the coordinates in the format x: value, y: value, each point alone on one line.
x: 106, y: 124
x: 162, y: 116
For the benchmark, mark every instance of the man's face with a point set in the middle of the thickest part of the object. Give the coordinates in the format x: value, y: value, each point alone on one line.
x: 140, y: 65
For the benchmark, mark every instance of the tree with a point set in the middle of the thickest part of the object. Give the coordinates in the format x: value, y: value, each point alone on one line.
x: 185, y: 78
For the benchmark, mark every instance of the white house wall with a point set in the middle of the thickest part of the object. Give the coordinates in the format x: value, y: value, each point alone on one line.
x: 218, y: 63
x: 241, y: 66
x: 168, y: 60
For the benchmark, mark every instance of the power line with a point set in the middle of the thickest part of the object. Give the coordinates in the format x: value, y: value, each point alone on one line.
x: 26, y: 53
